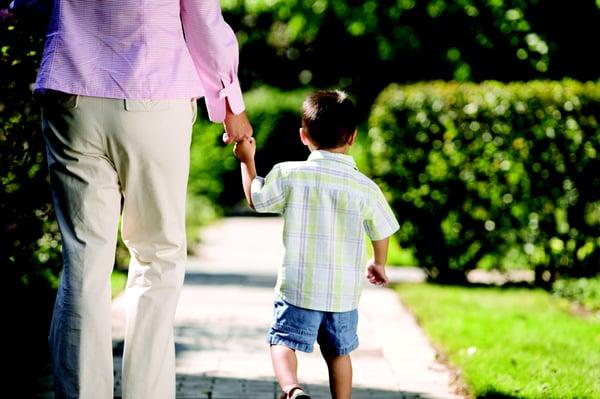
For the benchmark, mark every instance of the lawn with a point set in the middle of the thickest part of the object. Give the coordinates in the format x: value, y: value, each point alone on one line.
x: 510, y: 343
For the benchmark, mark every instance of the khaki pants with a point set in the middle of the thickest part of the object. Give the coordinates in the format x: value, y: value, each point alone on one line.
x: 104, y: 154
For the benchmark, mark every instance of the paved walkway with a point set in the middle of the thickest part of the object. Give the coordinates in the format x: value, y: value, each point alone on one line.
x: 225, y: 310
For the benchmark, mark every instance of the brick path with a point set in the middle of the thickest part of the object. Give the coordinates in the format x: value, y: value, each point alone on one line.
x: 225, y: 310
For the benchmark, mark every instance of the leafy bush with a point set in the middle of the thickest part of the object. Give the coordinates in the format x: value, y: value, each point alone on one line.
x: 493, y: 175
x: 584, y: 291
x: 362, y: 46
x: 29, y: 240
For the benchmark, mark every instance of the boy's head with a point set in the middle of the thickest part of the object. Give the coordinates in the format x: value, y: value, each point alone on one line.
x: 329, y: 119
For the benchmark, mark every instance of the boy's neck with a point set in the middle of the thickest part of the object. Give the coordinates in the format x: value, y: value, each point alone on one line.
x: 337, y: 150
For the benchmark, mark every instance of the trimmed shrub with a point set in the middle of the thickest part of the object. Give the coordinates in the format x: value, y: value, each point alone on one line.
x: 493, y: 175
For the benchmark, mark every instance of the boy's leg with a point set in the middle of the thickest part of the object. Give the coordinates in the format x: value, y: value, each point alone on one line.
x: 293, y: 328
x: 285, y: 365
x: 337, y: 338
x: 340, y: 375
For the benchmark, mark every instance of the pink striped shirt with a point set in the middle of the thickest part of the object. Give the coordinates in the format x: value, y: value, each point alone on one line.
x: 143, y: 49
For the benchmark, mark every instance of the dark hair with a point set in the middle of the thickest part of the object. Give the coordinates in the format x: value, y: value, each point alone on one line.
x: 329, y: 118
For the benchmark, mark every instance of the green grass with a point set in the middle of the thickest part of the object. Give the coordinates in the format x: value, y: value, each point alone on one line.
x: 510, y: 343
x: 118, y: 281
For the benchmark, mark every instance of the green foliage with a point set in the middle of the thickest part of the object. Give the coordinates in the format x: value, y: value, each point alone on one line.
x: 363, y: 45
x: 584, y: 291
x: 214, y: 171
x: 494, y: 175
x: 398, y: 256
x: 29, y: 239
x: 118, y: 281
x: 510, y: 343
x: 199, y: 212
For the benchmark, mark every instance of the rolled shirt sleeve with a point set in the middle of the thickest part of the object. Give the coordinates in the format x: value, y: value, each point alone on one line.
x: 214, y: 49
x: 268, y: 194
x: 379, y: 219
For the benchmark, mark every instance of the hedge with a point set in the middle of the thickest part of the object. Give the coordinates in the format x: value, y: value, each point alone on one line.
x: 492, y: 175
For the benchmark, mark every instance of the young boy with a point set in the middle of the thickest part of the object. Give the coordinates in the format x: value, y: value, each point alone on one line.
x: 327, y: 205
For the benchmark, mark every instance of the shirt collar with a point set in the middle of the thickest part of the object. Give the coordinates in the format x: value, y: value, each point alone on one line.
x: 332, y: 156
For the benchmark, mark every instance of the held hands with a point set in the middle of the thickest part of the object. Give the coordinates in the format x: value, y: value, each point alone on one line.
x: 244, y: 150
x: 237, y: 127
x: 376, y: 274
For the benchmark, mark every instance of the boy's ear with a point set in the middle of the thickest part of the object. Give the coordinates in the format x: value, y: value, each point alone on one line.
x: 353, y: 137
x: 304, y: 136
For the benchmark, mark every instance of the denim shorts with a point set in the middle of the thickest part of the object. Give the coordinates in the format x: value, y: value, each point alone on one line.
x: 299, y: 328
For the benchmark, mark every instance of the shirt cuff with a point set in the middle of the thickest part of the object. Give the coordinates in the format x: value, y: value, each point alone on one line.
x: 384, y: 232
x: 257, y: 184
x: 255, y: 187
x: 215, y: 103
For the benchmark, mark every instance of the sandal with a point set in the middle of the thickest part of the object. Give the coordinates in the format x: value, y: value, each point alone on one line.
x: 294, y: 391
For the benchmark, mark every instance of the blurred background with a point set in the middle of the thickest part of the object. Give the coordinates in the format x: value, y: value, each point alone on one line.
x: 480, y: 120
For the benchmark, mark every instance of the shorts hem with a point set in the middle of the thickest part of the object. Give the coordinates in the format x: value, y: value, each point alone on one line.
x: 290, y: 344
x: 340, y: 351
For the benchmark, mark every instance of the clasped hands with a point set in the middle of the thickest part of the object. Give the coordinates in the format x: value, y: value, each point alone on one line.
x: 237, y: 127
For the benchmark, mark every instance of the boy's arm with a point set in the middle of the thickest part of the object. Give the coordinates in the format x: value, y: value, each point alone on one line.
x: 248, y: 174
x: 244, y: 150
x: 264, y: 195
x: 376, y: 266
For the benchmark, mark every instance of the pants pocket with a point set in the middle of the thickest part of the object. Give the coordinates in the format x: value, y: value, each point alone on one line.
x: 146, y: 105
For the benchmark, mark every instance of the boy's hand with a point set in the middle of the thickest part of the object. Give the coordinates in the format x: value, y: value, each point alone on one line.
x: 244, y: 150
x: 376, y: 273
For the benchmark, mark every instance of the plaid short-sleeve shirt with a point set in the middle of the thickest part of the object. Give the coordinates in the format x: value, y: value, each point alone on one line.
x: 328, y: 206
